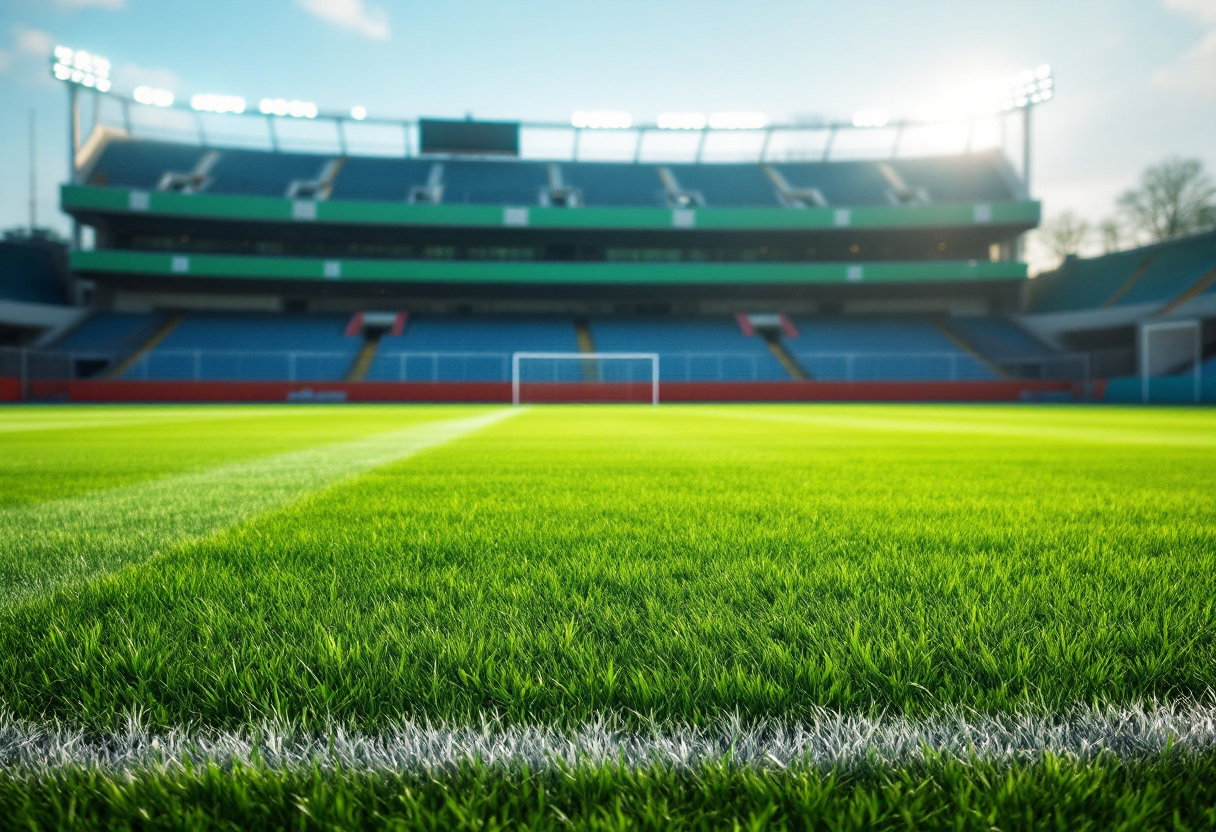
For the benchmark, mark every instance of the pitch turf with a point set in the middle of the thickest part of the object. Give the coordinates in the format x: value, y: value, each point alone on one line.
x: 354, y: 570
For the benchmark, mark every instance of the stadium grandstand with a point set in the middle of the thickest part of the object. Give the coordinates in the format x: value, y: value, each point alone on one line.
x: 204, y: 268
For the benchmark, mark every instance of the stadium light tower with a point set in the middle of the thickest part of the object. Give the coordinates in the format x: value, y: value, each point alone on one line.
x: 78, y: 69
x: 1034, y: 87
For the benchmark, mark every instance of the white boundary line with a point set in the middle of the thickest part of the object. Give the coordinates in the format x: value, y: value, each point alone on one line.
x: 828, y: 740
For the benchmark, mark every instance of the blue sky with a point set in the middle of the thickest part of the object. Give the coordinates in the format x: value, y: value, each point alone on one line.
x: 1136, y: 78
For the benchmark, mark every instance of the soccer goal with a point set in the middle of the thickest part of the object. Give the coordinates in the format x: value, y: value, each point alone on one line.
x: 1168, y: 348
x: 623, y: 377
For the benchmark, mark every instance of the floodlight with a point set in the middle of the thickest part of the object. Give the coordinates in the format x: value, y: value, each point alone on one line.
x: 682, y: 121
x: 80, y: 67
x: 601, y: 120
x: 738, y: 121
x: 358, y: 112
x: 283, y: 107
x: 213, y: 103
x: 871, y: 118
x: 153, y: 96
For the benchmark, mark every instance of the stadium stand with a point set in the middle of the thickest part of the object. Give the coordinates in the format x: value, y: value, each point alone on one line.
x: 455, y: 348
x: 1000, y: 339
x: 29, y: 274
x: 494, y: 183
x: 390, y: 180
x: 606, y: 183
x: 881, y: 349
x: 251, y: 346
x: 256, y: 173
x: 1172, y: 270
x: 728, y: 184
x: 852, y: 183
x: 691, y: 349
x: 975, y: 178
x: 142, y: 164
x: 116, y: 333
x: 1152, y: 274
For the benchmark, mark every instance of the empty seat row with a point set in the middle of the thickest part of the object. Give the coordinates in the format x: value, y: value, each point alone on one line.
x: 266, y: 346
x: 1153, y: 274
x: 144, y: 164
x: 881, y: 348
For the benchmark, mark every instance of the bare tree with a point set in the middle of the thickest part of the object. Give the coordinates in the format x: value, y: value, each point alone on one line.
x: 1112, y: 234
x: 1175, y: 198
x: 1062, y: 235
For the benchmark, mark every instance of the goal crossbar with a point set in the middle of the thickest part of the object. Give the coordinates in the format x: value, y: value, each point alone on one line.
x: 652, y: 357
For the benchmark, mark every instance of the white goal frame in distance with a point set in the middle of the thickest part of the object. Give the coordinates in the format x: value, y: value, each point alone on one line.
x: 1146, y: 332
x: 652, y: 357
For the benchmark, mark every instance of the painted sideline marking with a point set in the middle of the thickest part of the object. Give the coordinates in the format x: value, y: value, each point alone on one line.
x: 828, y: 739
x: 47, y: 544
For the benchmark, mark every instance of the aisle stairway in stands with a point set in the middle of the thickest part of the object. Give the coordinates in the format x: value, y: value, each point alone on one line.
x: 367, y: 355
x: 121, y: 368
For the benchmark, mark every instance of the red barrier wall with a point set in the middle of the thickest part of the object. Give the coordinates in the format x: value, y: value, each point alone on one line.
x: 10, y: 389
x: 496, y: 391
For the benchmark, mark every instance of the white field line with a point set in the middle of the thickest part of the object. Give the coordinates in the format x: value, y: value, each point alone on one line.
x: 828, y: 740
x: 1098, y: 434
x: 47, y: 544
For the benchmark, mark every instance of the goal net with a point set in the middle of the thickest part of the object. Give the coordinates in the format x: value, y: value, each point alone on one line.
x: 1172, y: 349
x: 623, y: 377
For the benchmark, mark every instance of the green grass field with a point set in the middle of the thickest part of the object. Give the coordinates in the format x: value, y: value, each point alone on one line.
x: 333, y: 575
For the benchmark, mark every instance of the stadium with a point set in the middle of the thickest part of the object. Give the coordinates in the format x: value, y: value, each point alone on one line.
x: 689, y: 472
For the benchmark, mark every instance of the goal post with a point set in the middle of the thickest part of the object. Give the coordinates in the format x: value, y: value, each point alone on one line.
x: 1166, y: 348
x: 585, y: 377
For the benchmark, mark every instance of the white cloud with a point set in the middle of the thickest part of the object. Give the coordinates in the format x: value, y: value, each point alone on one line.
x: 1204, y: 10
x: 366, y: 19
x: 6, y: 60
x: 1194, y: 72
x: 34, y: 42
x: 91, y: 4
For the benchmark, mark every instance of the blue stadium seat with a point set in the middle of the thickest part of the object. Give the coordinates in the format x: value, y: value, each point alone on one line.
x: 1174, y: 268
x: 494, y: 183
x: 28, y: 274
x: 1084, y: 284
x: 443, y: 348
x: 608, y: 184
x: 252, y: 347
x: 881, y: 349
x: 712, y: 349
x: 968, y: 179
x: 127, y: 163
x: 846, y: 184
x: 1162, y: 272
x: 1000, y: 339
x: 259, y: 173
x: 728, y: 185
x: 112, y: 333
x: 390, y: 180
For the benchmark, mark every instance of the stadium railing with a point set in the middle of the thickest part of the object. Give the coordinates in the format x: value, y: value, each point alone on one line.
x: 311, y: 366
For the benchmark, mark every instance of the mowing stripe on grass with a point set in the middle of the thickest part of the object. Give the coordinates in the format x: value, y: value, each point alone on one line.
x: 829, y: 740
x: 901, y: 423
x: 47, y: 544
x: 92, y: 418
